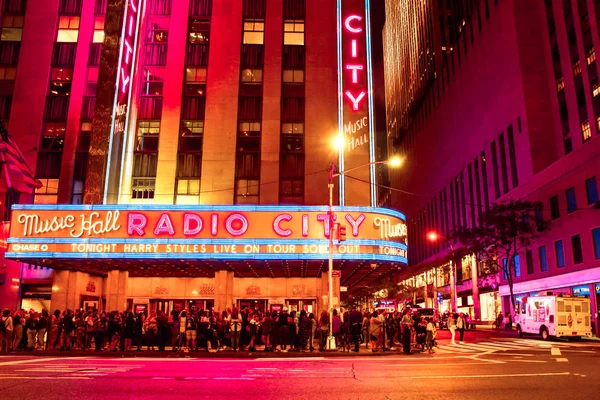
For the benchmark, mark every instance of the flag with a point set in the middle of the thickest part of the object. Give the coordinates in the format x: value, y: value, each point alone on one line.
x: 19, y: 175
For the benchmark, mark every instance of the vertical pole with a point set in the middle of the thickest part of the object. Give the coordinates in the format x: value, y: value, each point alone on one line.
x: 452, y: 288
x: 475, y: 282
x: 330, y: 338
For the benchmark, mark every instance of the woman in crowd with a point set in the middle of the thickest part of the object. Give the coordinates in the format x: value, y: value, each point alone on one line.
x: 323, y: 329
x: 375, y: 325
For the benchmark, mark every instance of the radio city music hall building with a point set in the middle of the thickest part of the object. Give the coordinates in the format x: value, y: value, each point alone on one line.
x: 183, y: 150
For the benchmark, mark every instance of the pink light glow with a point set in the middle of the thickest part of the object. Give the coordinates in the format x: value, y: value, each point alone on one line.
x: 136, y: 223
x: 236, y: 218
x: 164, y: 225
x: 348, y: 23
x: 354, y: 69
x: 356, y: 100
x: 355, y: 223
x: 192, y: 224
x: 277, y: 227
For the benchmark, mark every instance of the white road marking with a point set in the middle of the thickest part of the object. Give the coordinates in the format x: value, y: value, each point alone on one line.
x: 555, y: 351
x: 562, y: 360
x: 490, y: 375
x: 530, y: 361
x: 35, y: 360
x: 46, y: 378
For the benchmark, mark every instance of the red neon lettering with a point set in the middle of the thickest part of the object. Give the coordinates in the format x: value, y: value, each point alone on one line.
x: 233, y: 218
x: 305, y: 225
x: 355, y: 223
x: 355, y: 100
x: 164, y: 225
x: 277, y: 227
x: 131, y: 22
x: 355, y: 69
x: 214, y: 224
x: 133, y: 6
x: 192, y: 224
x: 348, y: 23
x: 325, y: 219
x: 124, y: 80
x: 128, y: 51
x: 354, y: 48
x: 136, y: 223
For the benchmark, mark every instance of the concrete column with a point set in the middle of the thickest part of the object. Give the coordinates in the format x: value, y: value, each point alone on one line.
x: 64, y: 290
x: 475, y: 282
x: 116, y: 290
x: 426, y: 300
x: 223, y: 290
x: 436, y: 305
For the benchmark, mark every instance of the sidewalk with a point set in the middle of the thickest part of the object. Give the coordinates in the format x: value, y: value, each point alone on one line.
x: 513, y: 332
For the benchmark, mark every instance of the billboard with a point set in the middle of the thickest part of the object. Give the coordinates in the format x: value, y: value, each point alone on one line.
x: 219, y: 232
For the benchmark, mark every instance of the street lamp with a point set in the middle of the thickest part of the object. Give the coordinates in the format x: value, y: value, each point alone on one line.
x: 338, y: 143
x: 433, y: 236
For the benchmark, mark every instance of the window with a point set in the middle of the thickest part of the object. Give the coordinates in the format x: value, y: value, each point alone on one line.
x: 160, y: 7
x: 157, y: 34
x: 513, y: 157
x: 195, y: 75
x: 571, y: 200
x: 100, y: 7
x: 504, y: 268
x: 517, y: 266
x: 63, y: 54
x: 8, y: 73
x: 495, y: 171
x: 560, y: 84
x: 5, y: 104
x: 246, y: 191
x: 592, y: 190
x: 68, y: 29
x: 12, y: 28
x: 293, y: 76
x: 560, y: 253
x: 596, y: 239
x: 568, y: 144
x: 586, y: 131
x: 252, y: 75
x: 98, y: 29
x: 147, y: 136
x: 9, y: 53
x: 577, y: 68
x: 595, y: 87
x: 69, y: 7
x: 95, y: 54
x: 591, y: 56
x: 190, y: 136
x: 48, y: 193
x: 201, y: 8
x: 577, y: 250
x: 529, y: 261
x: 188, y: 187
x: 14, y: 6
x: 486, y: 196
x: 503, y: 163
x: 293, y: 32
x: 60, y: 81
x: 199, y: 31
x: 143, y: 188
x: 254, y: 32
x: 554, y: 210
x: 152, y: 84
x: 543, y: 258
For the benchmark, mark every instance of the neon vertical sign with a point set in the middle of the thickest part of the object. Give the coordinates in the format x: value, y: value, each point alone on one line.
x: 356, y: 120
x: 121, y: 109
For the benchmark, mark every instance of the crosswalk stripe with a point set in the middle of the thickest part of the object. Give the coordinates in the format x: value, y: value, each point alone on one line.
x: 455, y: 349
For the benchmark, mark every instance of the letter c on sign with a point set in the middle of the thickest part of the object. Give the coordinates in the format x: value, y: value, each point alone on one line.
x: 229, y: 224
x: 277, y: 228
x: 348, y: 23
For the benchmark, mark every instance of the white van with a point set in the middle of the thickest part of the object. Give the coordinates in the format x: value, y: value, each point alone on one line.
x: 554, y: 316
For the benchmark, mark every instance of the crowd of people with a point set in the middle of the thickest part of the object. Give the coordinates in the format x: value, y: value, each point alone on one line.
x: 208, y: 330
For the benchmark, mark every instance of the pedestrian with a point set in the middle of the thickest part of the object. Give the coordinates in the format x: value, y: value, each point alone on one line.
x: 355, y: 322
x: 101, y: 328
x: 312, y: 331
x: 54, y: 333
x: 375, y: 330
x: 293, y: 339
x: 304, y: 327
x: 267, y: 327
x: 431, y: 333
x: 421, y: 333
x: 42, y: 327
x: 17, y: 329
x: 129, y: 331
x: 253, y: 326
x: 283, y: 329
x: 235, y: 328
x: 162, y: 327
x: 6, y: 331
x: 150, y: 330
x: 336, y: 327
x: 139, y: 330
x: 406, y: 323
x: 365, y: 328
x: 174, y: 323
x: 452, y: 327
x: 461, y: 325
x: 323, y: 329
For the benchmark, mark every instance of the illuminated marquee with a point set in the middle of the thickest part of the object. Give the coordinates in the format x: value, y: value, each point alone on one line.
x: 203, y: 232
x: 356, y: 100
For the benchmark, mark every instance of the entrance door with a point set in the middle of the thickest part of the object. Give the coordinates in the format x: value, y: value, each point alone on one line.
x: 308, y: 305
x: 260, y: 305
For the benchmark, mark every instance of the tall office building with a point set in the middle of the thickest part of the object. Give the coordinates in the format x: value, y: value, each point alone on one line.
x: 491, y: 100
x: 183, y: 148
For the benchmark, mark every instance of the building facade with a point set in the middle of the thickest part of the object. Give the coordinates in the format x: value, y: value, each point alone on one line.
x: 199, y: 106
x: 508, y: 108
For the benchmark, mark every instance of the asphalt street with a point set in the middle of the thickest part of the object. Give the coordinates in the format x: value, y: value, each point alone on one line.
x: 488, y: 368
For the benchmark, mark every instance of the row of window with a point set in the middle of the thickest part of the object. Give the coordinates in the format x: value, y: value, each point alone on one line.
x: 591, y: 188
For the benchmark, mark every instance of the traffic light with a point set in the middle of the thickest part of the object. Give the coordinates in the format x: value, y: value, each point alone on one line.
x: 342, y: 233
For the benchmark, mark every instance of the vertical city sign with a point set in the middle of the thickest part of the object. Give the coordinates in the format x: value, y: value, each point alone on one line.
x: 123, y: 94
x: 356, y: 118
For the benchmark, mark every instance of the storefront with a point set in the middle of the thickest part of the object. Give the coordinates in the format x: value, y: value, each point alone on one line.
x: 203, y: 257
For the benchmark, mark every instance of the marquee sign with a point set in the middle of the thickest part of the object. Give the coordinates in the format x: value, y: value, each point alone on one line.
x: 356, y: 118
x: 262, y: 232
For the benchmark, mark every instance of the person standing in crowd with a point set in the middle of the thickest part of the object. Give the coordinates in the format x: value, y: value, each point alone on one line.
x: 253, y: 325
x: 355, y: 323
x: 129, y: 331
x: 452, y: 328
x: 407, y: 324
x: 31, y: 325
x: 139, y: 330
x: 293, y: 332
x: 91, y: 329
x: 6, y: 331
x: 42, y: 327
x: 304, y: 326
x: 101, y: 328
x: 235, y: 328
x: 375, y: 325
x: 267, y: 326
x: 150, y: 330
x: 461, y: 325
x: 336, y: 327
x: 174, y: 322
x: 365, y: 329
x: 421, y: 333
x: 162, y: 327
x: 18, y: 321
x: 282, y: 329
x: 431, y: 333
x: 53, y: 333
x: 323, y: 329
